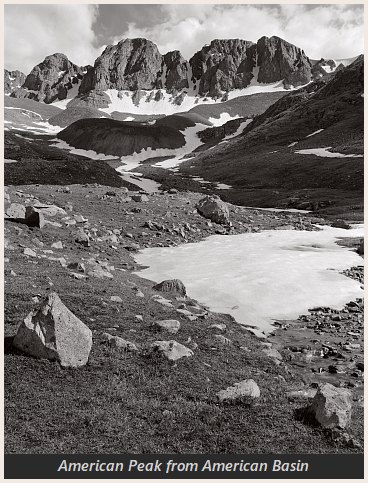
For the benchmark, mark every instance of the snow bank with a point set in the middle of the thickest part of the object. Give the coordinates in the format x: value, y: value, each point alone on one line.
x: 122, y: 101
x: 261, y: 277
x: 324, y: 153
x: 314, y: 133
x: 277, y: 210
x: 82, y: 152
x: 148, y: 185
x: 224, y: 117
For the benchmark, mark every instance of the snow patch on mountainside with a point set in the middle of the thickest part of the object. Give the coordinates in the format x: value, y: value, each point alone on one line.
x: 224, y: 117
x: 148, y: 185
x: 122, y: 101
x: 192, y: 142
x: 82, y: 152
x: 314, y: 133
x: 324, y: 153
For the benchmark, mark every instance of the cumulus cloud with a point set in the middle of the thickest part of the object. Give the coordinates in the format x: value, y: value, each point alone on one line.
x: 331, y: 31
x: 34, y: 31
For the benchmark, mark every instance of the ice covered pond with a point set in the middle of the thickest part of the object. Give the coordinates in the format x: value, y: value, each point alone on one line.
x: 261, y: 277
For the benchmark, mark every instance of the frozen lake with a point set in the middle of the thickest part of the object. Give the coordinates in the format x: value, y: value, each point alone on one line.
x: 261, y: 277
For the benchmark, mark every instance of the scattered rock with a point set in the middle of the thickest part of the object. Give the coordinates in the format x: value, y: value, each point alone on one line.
x: 332, y: 406
x: 169, y: 325
x: 116, y: 298
x: 57, y: 245
x: 220, y: 327
x: 246, y: 388
x: 82, y: 238
x: 77, y: 266
x: 47, y: 210
x: 29, y: 253
x: 171, y: 286
x: 34, y: 218
x: 340, y: 224
x: 171, y: 349
x: 162, y: 301
x: 16, y: 211
x: 214, y: 208
x: 139, y: 197
x: 120, y: 343
x: 55, y: 333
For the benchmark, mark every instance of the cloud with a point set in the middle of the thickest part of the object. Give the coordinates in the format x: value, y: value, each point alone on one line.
x: 34, y: 31
x: 331, y: 31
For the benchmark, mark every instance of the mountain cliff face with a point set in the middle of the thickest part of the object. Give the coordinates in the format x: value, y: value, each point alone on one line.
x: 51, y: 79
x: 12, y: 80
x: 217, y: 68
x: 135, y: 66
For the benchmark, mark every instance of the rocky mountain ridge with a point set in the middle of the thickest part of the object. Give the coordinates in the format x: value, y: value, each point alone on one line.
x: 12, y: 80
x: 137, y: 65
x: 51, y: 80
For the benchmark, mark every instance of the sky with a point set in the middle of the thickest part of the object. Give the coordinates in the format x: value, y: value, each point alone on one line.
x: 82, y: 31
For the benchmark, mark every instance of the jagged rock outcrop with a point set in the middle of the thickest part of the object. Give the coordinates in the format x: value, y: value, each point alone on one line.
x: 51, y: 79
x: 323, y: 67
x: 136, y: 65
x: 131, y: 64
x: 175, y: 68
x: 13, y: 80
x: 230, y: 64
x: 280, y: 60
x: 223, y: 65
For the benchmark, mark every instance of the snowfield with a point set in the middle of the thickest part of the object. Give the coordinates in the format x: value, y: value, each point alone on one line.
x: 148, y: 185
x: 167, y: 104
x: 81, y: 152
x: 261, y: 277
x: 325, y: 153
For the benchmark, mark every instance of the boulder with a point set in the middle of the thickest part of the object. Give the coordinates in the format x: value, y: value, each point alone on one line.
x: 171, y: 349
x: 171, y: 286
x: 77, y: 266
x: 53, y: 332
x: 213, y: 208
x: 246, y: 388
x: 29, y: 252
x: 139, y: 197
x: 47, y: 210
x: 116, y: 298
x: 341, y: 224
x: 16, y: 211
x: 82, y: 238
x: 120, y: 343
x: 331, y: 406
x: 169, y: 325
x: 35, y: 219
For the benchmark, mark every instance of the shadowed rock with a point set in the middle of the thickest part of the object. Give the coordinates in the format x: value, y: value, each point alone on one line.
x: 332, y: 406
x: 213, y: 208
x: 53, y: 332
x: 171, y: 286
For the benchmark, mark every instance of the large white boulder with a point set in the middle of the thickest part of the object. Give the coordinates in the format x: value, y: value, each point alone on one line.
x: 331, y: 406
x: 53, y: 332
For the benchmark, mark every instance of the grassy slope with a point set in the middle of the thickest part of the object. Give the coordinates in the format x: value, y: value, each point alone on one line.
x: 45, y: 110
x: 40, y: 163
x: 264, y: 171
x: 122, y: 402
x: 243, y: 106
